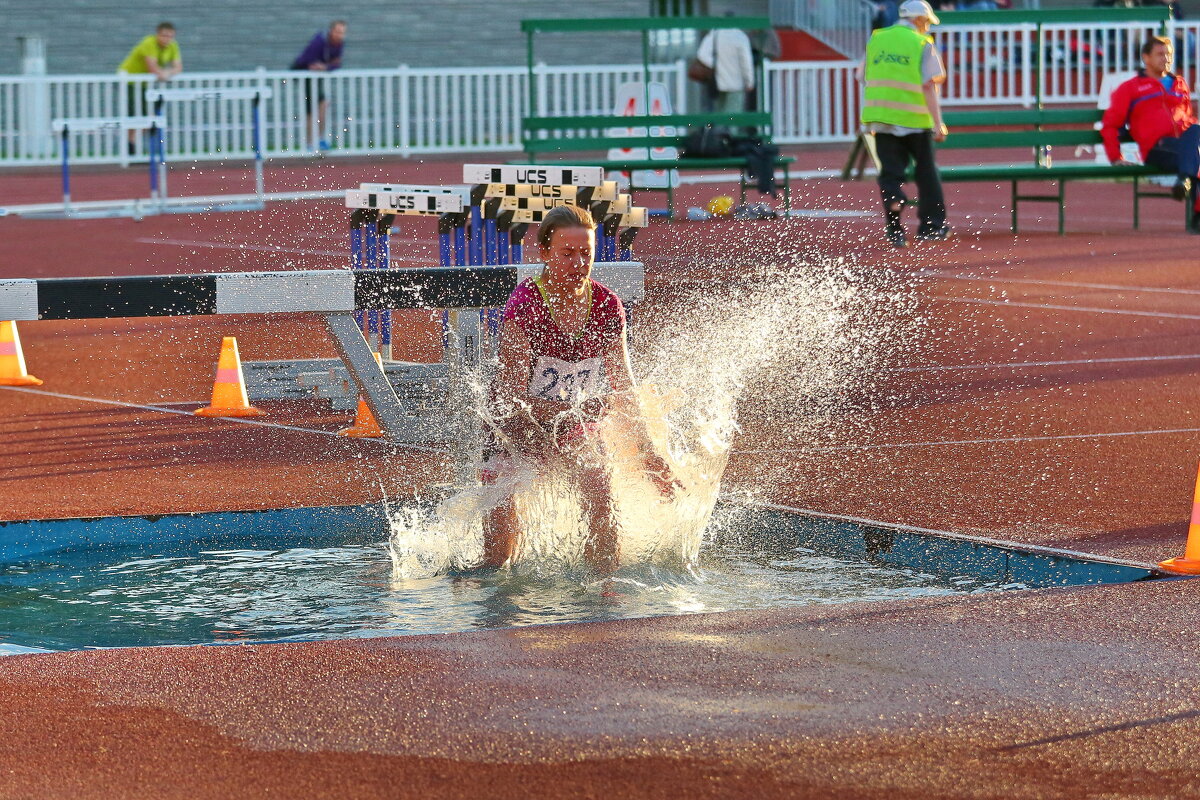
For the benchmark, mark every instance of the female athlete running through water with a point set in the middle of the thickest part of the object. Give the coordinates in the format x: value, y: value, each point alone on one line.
x: 564, y: 363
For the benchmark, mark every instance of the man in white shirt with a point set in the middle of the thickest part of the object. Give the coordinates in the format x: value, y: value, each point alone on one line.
x: 727, y: 51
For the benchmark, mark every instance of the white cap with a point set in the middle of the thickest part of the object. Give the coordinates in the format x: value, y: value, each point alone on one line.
x: 910, y: 9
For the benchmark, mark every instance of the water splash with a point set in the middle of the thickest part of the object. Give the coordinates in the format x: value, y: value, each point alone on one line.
x: 787, y: 342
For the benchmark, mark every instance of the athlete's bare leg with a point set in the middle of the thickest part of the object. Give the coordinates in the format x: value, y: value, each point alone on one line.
x: 602, y: 550
x: 501, y: 532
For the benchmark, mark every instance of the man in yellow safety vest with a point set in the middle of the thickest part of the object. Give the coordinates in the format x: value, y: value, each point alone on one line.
x: 902, y: 75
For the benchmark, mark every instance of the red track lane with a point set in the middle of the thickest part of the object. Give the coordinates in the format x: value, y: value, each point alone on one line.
x: 966, y: 420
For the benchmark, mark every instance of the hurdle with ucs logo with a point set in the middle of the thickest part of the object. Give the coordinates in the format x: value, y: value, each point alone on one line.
x: 482, y: 224
x: 485, y: 223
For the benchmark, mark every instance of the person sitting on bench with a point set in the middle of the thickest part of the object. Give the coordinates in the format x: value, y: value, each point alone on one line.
x: 1156, y: 107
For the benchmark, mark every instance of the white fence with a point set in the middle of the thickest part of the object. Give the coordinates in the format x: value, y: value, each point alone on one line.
x: 992, y: 65
x: 986, y: 66
x: 416, y: 111
x: 401, y: 110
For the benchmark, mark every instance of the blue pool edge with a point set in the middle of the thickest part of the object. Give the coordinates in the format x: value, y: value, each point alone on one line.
x: 950, y: 554
x: 941, y: 553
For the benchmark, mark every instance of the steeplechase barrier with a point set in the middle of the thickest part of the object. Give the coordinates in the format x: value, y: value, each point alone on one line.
x: 334, y: 294
x: 481, y: 228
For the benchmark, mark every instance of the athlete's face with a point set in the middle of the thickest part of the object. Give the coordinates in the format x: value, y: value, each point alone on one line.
x: 1158, y: 60
x: 569, y: 257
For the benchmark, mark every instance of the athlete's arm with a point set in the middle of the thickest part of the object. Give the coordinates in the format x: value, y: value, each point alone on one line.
x: 529, y: 418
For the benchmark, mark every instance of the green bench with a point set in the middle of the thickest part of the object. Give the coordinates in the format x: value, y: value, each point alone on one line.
x: 1040, y: 130
x: 555, y: 136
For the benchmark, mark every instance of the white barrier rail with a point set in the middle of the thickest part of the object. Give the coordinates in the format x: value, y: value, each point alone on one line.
x: 1000, y: 65
x: 416, y: 111
x: 812, y: 101
x: 819, y: 101
x: 403, y: 110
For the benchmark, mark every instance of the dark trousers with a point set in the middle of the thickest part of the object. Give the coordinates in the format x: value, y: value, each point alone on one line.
x: 894, y: 153
x: 1180, y: 154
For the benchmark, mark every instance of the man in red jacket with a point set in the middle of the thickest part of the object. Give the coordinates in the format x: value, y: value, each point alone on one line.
x: 1156, y: 106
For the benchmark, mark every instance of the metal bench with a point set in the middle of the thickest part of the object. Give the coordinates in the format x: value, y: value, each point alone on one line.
x: 555, y: 135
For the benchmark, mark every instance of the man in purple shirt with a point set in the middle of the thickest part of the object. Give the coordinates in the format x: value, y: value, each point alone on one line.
x: 322, y: 54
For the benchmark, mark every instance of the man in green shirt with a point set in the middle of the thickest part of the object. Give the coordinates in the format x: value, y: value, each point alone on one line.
x: 156, y: 55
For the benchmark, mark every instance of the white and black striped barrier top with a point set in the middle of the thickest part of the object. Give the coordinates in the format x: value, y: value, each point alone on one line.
x: 325, y: 291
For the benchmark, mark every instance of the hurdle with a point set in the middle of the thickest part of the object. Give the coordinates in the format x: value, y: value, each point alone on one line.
x: 334, y: 294
x: 479, y: 226
x: 66, y: 127
x: 369, y: 235
x: 255, y: 95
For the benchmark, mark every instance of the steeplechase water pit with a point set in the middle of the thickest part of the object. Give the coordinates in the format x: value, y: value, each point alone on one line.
x: 322, y: 573
x: 299, y: 574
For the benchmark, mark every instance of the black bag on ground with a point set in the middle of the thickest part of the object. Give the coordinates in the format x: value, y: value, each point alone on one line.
x: 711, y: 141
x: 760, y: 161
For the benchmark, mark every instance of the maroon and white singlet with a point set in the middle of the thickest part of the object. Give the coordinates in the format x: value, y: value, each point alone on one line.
x: 564, y: 367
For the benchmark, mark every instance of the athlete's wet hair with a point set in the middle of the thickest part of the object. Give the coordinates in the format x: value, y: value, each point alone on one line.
x: 165, y: 26
x: 563, y: 217
x: 1155, y: 41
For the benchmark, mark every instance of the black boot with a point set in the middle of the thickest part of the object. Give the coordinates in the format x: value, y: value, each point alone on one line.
x: 1180, y: 189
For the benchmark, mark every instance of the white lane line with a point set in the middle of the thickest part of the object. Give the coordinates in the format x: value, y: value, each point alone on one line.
x: 1052, y: 307
x: 903, y: 445
x: 801, y: 174
x: 269, y: 248
x: 1028, y: 364
x: 256, y: 248
x: 240, y: 420
x: 958, y: 276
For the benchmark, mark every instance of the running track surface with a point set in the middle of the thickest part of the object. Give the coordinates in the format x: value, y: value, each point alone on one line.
x: 1041, y: 390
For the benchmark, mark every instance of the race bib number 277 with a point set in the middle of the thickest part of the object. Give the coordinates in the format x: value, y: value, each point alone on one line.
x: 566, y: 381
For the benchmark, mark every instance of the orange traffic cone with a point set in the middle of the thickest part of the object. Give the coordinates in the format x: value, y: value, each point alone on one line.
x: 12, y: 361
x: 1190, y: 563
x: 229, y: 389
x: 365, y: 426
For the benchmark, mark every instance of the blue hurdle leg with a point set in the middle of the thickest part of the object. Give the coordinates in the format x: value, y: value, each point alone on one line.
x: 625, y: 243
x: 516, y: 240
x: 356, y: 254
x: 489, y: 238
x: 256, y: 115
x: 152, y: 160
x: 66, y: 168
x: 444, y: 259
x: 460, y: 245
x: 476, y: 250
x: 370, y: 256
x: 157, y: 133
x: 502, y: 256
x: 384, y: 255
